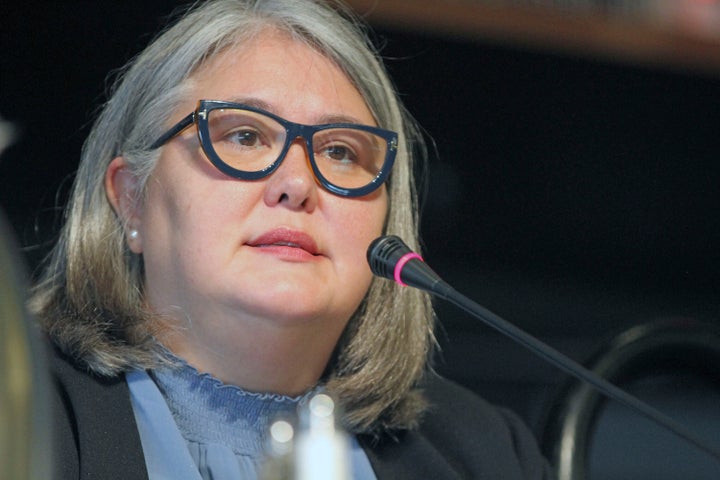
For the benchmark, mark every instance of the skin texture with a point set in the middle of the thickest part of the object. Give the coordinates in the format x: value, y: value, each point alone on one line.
x: 251, y: 311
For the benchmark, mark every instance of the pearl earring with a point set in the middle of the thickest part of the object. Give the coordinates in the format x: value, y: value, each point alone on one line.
x: 133, y: 234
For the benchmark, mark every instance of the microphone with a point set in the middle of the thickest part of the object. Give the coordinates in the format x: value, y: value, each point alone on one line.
x: 389, y: 257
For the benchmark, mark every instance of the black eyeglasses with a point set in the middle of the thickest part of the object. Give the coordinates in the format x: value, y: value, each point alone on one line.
x: 249, y: 143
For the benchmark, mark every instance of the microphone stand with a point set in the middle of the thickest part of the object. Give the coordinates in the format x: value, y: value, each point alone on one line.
x: 389, y: 257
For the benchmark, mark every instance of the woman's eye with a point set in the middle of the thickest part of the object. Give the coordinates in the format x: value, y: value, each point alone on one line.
x: 339, y: 153
x: 247, y: 138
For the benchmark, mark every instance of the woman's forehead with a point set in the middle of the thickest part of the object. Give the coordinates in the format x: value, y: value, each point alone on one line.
x: 282, y: 75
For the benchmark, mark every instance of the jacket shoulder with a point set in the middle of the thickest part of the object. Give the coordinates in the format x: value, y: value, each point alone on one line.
x: 94, y: 429
x: 461, y: 436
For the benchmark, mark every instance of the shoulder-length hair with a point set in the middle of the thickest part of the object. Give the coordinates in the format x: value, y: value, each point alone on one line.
x: 90, y: 296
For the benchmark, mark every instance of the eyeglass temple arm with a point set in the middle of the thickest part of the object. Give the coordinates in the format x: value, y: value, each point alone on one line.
x: 177, y: 128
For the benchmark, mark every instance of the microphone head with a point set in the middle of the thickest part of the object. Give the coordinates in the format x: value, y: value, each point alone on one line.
x: 384, y: 253
x: 390, y: 258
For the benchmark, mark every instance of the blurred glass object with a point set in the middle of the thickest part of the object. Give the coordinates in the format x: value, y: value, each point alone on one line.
x: 310, y: 447
x: 24, y: 408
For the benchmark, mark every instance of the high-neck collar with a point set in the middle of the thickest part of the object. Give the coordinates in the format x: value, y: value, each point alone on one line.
x: 207, y: 411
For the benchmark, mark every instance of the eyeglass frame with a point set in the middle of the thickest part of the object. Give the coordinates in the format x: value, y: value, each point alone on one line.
x: 293, y: 131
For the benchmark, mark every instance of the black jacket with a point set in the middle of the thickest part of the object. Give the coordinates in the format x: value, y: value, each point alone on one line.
x: 460, y: 437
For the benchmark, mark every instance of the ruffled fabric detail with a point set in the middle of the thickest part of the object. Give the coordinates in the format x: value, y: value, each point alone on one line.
x: 218, y: 420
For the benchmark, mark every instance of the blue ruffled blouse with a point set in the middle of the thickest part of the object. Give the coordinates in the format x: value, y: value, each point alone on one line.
x: 194, y: 427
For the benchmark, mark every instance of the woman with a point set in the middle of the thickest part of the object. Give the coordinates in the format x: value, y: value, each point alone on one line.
x: 211, y: 271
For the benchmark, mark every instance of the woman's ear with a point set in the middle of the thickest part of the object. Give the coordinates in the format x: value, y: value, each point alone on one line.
x: 121, y: 188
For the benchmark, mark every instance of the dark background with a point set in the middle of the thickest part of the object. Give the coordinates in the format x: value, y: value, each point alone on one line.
x: 572, y: 196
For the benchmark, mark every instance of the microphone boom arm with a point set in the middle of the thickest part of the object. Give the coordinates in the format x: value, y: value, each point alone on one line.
x: 389, y: 257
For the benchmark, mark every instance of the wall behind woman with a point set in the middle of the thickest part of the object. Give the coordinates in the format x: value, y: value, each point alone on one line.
x: 572, y: 196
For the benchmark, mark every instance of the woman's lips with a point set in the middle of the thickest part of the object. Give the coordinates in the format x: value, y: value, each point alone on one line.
x: 286, y: 242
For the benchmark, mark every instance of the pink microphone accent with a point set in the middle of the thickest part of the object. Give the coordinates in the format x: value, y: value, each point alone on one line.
x: 401, y: 263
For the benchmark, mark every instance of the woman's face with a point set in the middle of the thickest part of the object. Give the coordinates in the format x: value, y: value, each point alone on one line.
x: 224, y: 256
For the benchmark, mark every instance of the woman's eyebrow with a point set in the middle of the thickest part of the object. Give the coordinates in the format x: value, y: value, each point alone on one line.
x: 340, y: 118
x: 327, y: 118
x: 253, y: 102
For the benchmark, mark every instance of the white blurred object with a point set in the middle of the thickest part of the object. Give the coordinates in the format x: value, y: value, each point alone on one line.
x: 322, y: 448
x: 316, y: 448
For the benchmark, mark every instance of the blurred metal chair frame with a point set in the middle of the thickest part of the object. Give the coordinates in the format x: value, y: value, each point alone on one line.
x: 672, y: 345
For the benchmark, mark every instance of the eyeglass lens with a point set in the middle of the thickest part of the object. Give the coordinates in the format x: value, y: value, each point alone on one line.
x: 251, y: 141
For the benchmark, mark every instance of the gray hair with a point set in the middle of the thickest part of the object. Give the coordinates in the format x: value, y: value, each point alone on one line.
x: 90, y: 297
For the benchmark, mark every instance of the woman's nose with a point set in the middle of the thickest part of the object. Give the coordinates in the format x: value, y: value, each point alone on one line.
x: 293, y: 183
